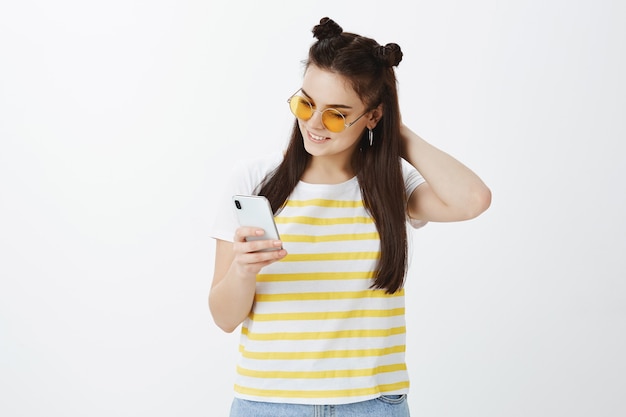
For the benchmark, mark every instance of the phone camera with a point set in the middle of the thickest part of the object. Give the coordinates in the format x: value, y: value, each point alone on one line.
x: 238, y: 204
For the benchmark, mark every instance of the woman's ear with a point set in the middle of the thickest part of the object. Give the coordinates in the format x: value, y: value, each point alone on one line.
x: 375, y: 116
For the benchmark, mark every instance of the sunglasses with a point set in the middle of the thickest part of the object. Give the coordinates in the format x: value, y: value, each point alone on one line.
x: 332, y: 119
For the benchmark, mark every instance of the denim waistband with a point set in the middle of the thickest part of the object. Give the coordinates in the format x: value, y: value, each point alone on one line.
x: 383, y: 406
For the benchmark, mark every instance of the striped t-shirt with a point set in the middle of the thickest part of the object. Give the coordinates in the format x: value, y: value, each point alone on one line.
x: 317, y: 332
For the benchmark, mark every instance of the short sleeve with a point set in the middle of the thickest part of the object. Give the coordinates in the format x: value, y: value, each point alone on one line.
x: 243, y: 178
x: 412, y: 180
x: 224, y: 222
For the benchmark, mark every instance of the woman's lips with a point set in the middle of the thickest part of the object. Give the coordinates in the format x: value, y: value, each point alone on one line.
x: 316, y: 138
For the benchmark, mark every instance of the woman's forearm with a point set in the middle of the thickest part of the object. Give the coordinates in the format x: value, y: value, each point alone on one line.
x: 461, y: 192
x: 230, y: 300
x: 234, y: 280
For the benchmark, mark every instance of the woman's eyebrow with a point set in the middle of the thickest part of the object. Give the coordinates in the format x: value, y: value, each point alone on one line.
x: 334, y: 106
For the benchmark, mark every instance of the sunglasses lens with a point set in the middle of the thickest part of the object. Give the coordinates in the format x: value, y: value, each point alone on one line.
x: 333, y: 120
x: 300, y: 107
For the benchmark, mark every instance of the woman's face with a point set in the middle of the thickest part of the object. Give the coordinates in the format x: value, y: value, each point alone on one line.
x: 325, y: 90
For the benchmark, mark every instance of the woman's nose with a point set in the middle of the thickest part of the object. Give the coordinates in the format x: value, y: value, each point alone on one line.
x: 316, y: 120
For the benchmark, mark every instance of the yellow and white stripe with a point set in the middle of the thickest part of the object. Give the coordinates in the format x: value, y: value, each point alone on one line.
x: 318, y: 333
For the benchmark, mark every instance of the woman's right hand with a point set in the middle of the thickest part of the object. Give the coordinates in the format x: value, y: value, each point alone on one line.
x: 251, y: 256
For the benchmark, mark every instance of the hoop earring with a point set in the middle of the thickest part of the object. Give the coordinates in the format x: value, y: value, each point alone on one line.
x: 371, y: 136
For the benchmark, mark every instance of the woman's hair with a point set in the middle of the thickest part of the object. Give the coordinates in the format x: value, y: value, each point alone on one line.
x: 368, y: 67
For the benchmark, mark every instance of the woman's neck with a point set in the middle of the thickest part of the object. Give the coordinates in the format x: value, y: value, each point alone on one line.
x: 327, y: 171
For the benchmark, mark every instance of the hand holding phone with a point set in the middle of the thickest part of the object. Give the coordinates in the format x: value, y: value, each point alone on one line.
x: 256, y: 211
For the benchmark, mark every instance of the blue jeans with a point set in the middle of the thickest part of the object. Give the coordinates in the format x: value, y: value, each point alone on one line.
x: 385, y: 406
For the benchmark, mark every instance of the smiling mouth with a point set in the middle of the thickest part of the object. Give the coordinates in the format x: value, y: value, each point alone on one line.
x: 316, y: 138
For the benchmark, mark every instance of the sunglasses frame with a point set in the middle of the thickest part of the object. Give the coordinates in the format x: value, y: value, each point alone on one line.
x: 313, y: 111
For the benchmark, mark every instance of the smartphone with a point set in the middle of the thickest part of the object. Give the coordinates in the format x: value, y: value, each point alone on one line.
x: 256, y: 211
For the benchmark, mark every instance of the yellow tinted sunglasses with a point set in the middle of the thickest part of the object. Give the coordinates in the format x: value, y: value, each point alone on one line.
x: 332, y: 119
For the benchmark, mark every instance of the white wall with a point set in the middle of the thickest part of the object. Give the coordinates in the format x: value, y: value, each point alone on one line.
x: 119, y: 118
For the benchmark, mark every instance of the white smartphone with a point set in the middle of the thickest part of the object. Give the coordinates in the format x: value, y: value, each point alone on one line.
x: 256, y: 211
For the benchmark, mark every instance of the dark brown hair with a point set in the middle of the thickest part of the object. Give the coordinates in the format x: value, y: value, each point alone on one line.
x: 368, y: 67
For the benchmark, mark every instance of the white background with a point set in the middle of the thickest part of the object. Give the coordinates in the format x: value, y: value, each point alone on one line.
x: 119, y: 119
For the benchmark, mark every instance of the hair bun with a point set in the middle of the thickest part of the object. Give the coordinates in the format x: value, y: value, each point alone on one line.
x: 327, y: 28
x: 389, y: 55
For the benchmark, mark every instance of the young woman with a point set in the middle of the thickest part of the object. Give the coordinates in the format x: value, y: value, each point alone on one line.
x: 322, y: 317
